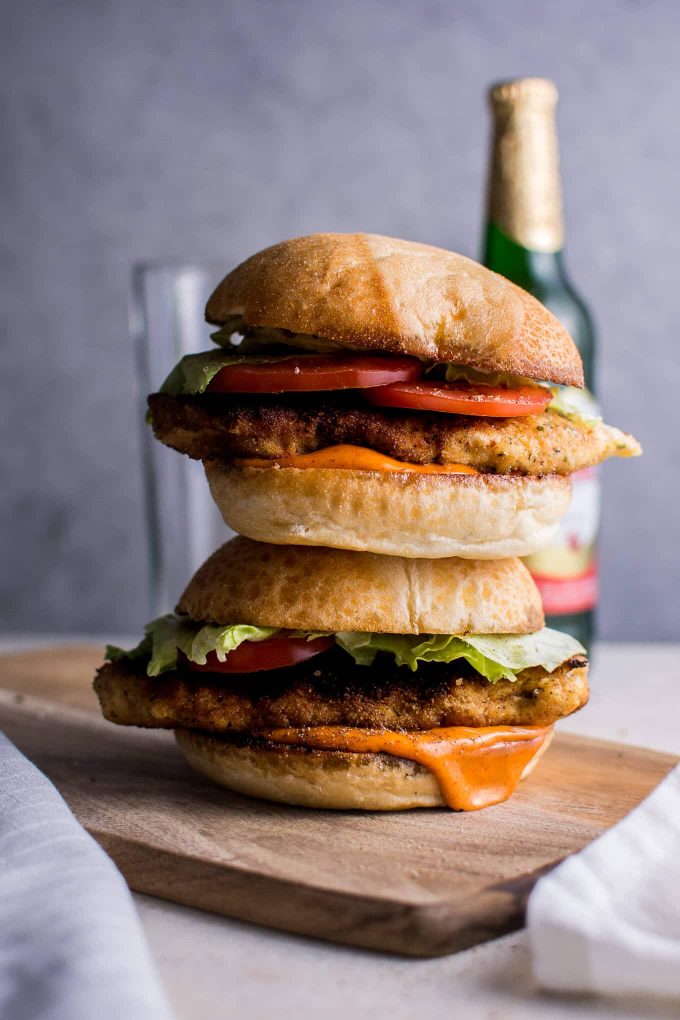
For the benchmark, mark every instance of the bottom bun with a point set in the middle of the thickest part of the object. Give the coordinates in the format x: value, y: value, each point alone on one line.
x: 340, y: 780
x: 401, y: 514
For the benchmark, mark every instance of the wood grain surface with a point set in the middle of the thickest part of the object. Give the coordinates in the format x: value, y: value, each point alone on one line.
x: 421, y: 883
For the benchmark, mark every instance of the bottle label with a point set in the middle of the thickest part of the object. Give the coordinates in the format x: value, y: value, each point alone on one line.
x: 566, y: 572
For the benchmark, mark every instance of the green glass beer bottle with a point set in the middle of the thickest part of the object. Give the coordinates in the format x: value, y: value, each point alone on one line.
x: 524, y: 242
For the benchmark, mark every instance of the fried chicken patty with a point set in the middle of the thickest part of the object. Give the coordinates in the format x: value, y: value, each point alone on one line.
x: 329, y: 690
x: 212, y: 427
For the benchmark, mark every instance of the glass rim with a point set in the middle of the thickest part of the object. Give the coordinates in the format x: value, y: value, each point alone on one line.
x: 178, y: 264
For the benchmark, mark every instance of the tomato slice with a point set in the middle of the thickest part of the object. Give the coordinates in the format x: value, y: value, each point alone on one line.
x: 315, y: 372
x: 253, y: 656
x: 463, y: 398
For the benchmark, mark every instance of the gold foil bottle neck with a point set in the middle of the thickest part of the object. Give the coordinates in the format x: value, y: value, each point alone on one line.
x: 524, y: 197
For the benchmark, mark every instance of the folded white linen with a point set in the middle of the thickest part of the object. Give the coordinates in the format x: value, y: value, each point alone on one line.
x: 607, y: 920
x: 71, y: 945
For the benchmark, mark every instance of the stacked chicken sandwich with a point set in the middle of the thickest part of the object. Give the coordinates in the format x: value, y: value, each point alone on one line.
x: 382, y: 420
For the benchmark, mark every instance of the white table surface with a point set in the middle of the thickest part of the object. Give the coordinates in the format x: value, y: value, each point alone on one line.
x: 216, y: 968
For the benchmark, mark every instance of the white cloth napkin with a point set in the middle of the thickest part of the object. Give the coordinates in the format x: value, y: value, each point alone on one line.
x: 71, y: 945
x: 607, y: 920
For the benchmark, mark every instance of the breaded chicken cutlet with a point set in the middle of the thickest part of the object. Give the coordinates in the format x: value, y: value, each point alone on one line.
x: 331, y: 690
x: 227, y: 428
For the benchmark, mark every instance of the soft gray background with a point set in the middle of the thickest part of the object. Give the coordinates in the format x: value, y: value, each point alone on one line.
x: 169, y: 128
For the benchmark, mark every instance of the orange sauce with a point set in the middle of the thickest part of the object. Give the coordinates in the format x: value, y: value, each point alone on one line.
x: 354, y: 458
x: 474, y: 766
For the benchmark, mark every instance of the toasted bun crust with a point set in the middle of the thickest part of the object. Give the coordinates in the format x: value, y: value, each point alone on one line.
x: 338, y: 780
x: 409, y: 514
x: 335, y: 590
x: 371, y: 292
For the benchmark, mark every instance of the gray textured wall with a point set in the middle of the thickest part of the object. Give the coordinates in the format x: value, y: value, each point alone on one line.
x: 166, y: 128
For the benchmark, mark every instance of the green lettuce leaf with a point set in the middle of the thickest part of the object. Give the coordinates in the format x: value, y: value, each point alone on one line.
x: 194, y: 372
x: 547, y: 648
x: 494, y: 656
x: 255, y: 338
x: 140, y: 651
x: 223, y: 336
x: 168, y: 635
x: 576, y: 405
x: 456, y: 373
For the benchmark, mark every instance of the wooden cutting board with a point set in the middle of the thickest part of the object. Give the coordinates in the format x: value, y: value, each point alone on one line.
x: 422, y: 883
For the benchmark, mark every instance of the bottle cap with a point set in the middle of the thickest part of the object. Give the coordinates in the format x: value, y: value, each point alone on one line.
x: 520, y: 90
x: 524, y: 198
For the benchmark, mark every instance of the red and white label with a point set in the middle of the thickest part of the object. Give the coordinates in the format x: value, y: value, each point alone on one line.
x: 566, y: 572
x: 563, y: 595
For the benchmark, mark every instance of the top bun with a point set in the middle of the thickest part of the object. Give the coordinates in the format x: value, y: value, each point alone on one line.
x: 371, y: 292
x: 308, y: 588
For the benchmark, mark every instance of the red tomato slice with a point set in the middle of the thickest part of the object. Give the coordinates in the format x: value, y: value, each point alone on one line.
x: 463, y: 398
x: 253, y: 656
x: 315, y: 372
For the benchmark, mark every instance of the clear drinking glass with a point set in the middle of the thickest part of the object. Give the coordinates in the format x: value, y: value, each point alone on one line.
x: 183, y: 524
